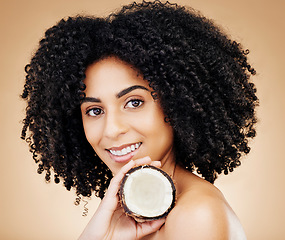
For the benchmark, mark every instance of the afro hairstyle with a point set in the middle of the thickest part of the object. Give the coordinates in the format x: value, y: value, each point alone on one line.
x: 200, y: 75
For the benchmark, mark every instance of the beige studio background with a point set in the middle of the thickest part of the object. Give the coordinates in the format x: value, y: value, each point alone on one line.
x: 30, y: 209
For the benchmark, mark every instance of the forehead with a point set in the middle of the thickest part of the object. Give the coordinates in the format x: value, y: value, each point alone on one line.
x: 112, y: 73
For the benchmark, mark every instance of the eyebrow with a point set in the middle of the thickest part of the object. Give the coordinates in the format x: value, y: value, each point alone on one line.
x: 90, y: 99
x: 119, y: 95
x: 129, y: 89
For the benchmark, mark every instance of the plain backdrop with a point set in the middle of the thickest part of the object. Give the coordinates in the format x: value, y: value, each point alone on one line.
x: 31, y: 209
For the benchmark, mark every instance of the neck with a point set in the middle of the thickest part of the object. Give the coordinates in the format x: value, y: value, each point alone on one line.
x: 168, y: 164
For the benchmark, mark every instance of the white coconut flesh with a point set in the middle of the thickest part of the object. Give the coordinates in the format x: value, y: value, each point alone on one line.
x: 147, y: 192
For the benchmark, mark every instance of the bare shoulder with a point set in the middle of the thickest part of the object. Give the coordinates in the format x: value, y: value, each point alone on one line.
x: 202, y: 213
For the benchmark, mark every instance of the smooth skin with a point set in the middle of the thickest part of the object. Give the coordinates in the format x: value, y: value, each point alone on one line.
x: 117, y: 115
x: 119, y: 111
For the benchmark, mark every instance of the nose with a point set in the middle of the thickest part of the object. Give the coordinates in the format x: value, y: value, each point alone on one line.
x: 115, y: 125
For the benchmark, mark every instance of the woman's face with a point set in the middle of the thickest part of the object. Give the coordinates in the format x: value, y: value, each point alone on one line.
x: 121, y: 119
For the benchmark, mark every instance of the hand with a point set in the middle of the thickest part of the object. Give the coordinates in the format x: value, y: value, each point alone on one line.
x: 110, y: 221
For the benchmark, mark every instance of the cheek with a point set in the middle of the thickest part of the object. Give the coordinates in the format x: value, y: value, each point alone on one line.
x: 160, y: 142
x: 162, y: 135
x: 155, y: 129
x: 92, y: 134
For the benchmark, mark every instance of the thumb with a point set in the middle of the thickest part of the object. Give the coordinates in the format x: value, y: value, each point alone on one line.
x: 149, y: 227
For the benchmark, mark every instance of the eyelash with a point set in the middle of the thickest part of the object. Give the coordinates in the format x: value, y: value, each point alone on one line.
x: 88, y: 111
x: 135, y: 100
x: 94, y: 109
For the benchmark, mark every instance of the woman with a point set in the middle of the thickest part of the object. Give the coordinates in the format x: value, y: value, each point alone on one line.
x: 152, y: 84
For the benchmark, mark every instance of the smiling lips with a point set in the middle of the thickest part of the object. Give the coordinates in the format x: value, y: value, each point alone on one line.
x: 125, y: 153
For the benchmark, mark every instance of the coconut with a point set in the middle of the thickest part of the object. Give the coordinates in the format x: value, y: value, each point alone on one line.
x: 147, y: 193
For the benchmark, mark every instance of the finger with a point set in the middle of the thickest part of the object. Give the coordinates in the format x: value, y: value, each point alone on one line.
x: 156, y: 164
x: 146, y: 228
x: 147, y: 161
x: 116, y: 180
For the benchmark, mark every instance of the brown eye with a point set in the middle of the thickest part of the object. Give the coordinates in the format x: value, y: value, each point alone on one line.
x: 94, y: 112
x: 135, y: 103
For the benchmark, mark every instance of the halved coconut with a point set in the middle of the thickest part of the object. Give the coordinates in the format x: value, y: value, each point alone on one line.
x: 147, y: 193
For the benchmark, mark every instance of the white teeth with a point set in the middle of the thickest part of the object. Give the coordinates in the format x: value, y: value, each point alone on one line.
x: 126, y: 150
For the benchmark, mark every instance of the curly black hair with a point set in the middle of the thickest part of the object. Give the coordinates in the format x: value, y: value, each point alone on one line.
x: 200, y: 75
